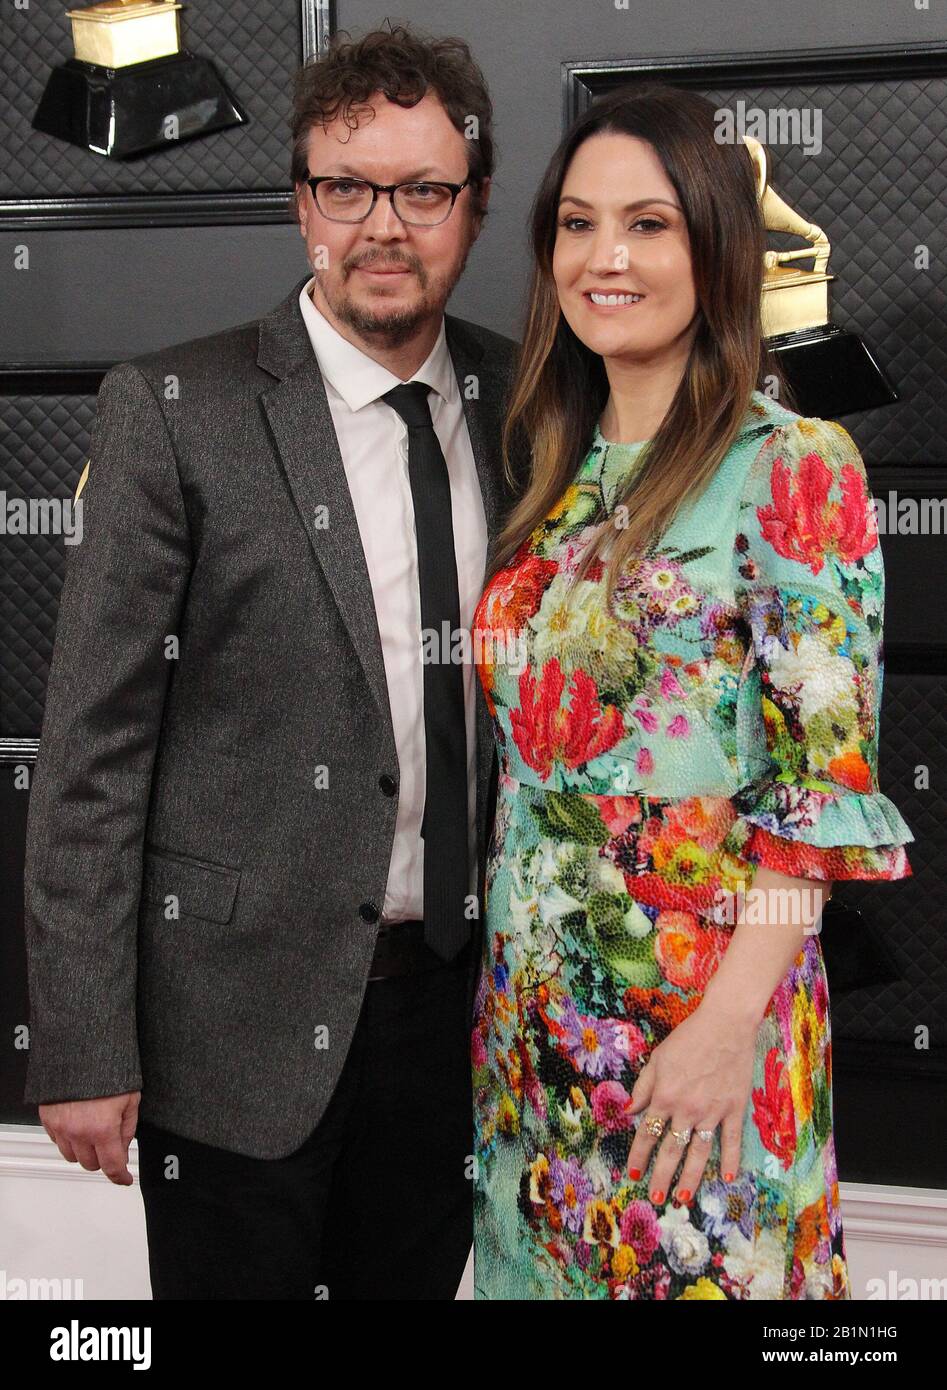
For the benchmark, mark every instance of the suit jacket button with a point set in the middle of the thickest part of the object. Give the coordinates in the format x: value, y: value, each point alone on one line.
x: 388, y: 784
x: 368, y: 912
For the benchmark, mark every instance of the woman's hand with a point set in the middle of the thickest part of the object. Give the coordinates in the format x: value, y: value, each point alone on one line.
x: 699, y: 1077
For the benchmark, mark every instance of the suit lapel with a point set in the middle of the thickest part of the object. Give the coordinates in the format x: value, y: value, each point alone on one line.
x: 299, y: 416
x: 480, y: 391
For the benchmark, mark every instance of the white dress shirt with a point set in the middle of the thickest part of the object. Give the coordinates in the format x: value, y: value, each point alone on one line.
x: 373, y: 441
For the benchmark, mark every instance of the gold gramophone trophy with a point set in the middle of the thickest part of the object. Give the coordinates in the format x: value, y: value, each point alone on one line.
x: 131, y: 87
x: 830, y: 369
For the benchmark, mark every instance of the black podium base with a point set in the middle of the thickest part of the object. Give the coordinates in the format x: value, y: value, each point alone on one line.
x: 125, y: 112
x: 831, y: 372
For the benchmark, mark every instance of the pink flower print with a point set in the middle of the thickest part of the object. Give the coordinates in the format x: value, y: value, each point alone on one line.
x: 639, y: 1228
x: 678, y: 727
x: 646, y: 718
x: 630, y: 1040
x: 670, y: 686
x: 644, y: 763
x: 610, y: 1103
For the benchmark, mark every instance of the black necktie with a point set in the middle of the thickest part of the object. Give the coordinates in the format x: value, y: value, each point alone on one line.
x: 444, y: 827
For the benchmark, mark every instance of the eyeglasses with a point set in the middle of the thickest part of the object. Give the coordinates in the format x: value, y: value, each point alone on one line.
x: 419, y: 203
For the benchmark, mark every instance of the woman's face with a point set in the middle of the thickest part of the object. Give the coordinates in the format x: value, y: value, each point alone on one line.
x: 621, y: 233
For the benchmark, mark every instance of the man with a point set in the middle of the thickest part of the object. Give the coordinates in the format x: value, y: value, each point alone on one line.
x: 258, y: 823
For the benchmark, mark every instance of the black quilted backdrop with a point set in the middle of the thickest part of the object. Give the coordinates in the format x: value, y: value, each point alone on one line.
x: 255, y: 45
x: 44, y: 443
x: 907, y: 916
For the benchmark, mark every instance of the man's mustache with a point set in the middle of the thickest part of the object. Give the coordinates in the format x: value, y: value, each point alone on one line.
x: 380, y: 261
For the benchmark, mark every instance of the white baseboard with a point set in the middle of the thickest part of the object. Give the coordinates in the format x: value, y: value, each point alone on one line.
x: 67, y: 1232
x: 73, y: 1231
x: 895, y: 1241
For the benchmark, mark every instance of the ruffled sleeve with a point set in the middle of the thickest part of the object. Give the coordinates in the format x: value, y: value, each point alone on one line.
x: 809, y: 581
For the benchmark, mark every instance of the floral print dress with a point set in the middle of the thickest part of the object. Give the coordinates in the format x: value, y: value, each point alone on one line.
x: 721, y: 713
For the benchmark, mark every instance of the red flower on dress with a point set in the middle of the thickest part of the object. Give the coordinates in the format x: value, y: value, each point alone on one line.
x: 802, y: 524
x: 545, y: 734
x: 506, y: 604
x: 514, y: 594
x: 772, y: 1110
x: 618, y: 812
x: 852, y: 771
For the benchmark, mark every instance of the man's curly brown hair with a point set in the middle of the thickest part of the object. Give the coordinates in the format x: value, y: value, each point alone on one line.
x: 403, y: 66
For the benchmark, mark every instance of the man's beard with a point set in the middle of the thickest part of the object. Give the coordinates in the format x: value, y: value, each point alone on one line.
x: 393, y: 327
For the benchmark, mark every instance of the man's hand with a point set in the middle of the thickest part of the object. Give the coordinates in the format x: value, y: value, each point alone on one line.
x: 95, y: 1133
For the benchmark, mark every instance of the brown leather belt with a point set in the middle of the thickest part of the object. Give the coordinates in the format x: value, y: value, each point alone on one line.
x: 400, y: 949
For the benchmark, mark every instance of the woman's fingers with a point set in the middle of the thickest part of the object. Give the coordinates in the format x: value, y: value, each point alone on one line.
x: 641, y: 1147
x: 668, y: 1153
x: 666, y: 1150
x: 639, y: 1155
x: 731, y: 1132
x: 667, y: 1162
x: 698, y: 1152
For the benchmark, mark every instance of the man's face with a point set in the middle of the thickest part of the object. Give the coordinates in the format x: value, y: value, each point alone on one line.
x: 385, y: 279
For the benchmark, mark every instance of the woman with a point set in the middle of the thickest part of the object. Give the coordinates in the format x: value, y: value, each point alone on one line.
x: 682, y: 638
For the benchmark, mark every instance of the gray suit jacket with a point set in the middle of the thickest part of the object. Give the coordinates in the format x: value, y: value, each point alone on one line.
x: 198, y: 776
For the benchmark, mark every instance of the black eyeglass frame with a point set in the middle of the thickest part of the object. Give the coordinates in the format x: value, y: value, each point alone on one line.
x: 455, y: 190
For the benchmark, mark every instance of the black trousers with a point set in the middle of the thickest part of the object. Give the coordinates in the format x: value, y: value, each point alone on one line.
x: 376, y: 1204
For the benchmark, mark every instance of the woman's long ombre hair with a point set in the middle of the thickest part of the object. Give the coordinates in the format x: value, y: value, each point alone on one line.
x: 560, y: 387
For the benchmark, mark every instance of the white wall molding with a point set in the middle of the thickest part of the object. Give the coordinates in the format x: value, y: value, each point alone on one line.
x: 65, y: 1228
x: 895, y: 1242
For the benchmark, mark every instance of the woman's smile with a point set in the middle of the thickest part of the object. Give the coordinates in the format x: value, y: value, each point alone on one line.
x: 611, y: 299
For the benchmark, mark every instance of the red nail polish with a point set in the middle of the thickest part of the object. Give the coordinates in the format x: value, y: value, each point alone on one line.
x: 728, y: 1177
x: 634, y: 1173
x: 657, y: 1196
x: 684, y: 1194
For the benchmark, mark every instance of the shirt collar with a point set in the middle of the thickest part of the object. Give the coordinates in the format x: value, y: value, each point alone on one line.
x: 358, y: 378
